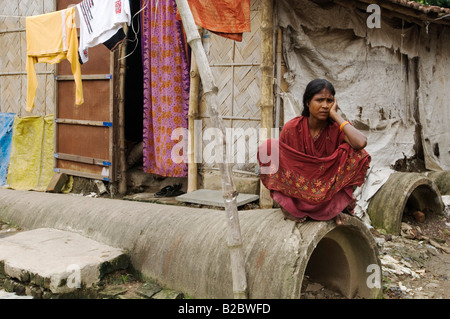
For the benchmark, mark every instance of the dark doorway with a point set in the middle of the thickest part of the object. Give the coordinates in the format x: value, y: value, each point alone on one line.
x: 134, y: 113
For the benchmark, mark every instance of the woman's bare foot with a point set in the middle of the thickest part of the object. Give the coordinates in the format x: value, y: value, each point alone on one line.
x: 340, y: 219
x: 291, y: 217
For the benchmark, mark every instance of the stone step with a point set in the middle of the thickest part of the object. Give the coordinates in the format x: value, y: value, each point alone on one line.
x: 214, y: 198
x: 59, y: 262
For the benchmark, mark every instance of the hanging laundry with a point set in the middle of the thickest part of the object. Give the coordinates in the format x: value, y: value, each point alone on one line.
x: 51, y: 38
x: 166, y: 88
x: 6, y: 133
x: 227, y: 18
x: 101, y: 21
x: 32, y: 153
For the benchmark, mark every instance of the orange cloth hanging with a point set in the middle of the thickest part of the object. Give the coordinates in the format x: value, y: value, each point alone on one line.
x: 227, y: 18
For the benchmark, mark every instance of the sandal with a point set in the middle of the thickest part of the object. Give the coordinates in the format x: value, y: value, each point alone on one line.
x: 163, y: 191
x: 176, y: 190
x: 170, y: 191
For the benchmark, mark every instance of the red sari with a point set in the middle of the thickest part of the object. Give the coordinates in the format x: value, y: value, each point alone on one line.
x: 311, y: 177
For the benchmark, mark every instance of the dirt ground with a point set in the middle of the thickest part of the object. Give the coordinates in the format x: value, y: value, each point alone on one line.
x: 415, y: 264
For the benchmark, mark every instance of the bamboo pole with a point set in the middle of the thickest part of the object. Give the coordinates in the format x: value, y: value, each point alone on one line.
x: 210, y: 90
x: 267, y: 76
x: 278, y: 97
x: 121, y: 124
x: 193, y: 114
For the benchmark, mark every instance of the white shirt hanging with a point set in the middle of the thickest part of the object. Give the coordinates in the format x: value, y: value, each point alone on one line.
x: 101, y: 21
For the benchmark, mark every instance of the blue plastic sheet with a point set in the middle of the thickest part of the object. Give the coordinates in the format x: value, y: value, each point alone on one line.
x: 6, y: 133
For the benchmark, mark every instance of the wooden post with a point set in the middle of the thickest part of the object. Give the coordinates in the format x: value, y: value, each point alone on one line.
x: 123, y: 162
x: 267, y: 80
x: 278, y: 97
x: 210, y: 91
x: 193, y: 114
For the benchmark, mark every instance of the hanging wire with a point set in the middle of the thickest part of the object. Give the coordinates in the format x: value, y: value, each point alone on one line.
x: 136, y: 38
x: 12, y: 17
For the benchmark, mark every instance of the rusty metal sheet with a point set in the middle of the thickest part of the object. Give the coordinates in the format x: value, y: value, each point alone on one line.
x: 84, y: 170
x: 84, y: 133
x: 83, y: 140
x: 96, y: 101
x: 95, y: 65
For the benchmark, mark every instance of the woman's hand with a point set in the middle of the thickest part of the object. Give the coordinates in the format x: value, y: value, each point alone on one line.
x: 333, y: 110
x: 354, y: 137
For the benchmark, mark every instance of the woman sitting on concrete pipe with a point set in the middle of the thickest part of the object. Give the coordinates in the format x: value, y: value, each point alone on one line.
x: 312, y: 169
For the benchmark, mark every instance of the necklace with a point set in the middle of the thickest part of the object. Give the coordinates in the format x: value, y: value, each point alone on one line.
x: 316, y: 136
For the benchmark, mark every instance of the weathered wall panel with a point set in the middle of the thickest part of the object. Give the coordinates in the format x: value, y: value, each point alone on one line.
x: 85, y: 133
x: 13, y: 77
x: 236, y: 70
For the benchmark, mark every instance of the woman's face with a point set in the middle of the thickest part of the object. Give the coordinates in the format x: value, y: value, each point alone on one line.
x: 320, y: 105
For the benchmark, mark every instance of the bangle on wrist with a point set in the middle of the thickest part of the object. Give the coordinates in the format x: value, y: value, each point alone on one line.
x: 343, y: 124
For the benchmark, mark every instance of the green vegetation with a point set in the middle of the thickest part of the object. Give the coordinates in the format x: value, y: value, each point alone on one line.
x: 440, y: 3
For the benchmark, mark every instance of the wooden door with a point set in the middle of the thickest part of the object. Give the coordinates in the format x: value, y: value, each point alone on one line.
x: 84, y: 134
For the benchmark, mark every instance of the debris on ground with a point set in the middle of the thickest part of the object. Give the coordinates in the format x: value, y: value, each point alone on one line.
x: 416, y: 263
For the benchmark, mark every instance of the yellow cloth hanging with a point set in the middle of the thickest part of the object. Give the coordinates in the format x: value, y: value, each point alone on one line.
x: 51, y: 38
x: 32, y: 149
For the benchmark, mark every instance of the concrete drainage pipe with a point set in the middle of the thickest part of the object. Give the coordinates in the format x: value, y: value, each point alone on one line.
x: 410, y: 191
x: 441, y: 179
x: 186, y: 249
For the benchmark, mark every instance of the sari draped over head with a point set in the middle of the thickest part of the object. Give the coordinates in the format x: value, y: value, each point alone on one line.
x: 311, y: 177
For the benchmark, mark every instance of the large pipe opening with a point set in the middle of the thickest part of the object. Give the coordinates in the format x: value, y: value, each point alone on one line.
x: 340, y: 263
x: 329, y: 267
x: 423, y: 199
x: 403, y: 192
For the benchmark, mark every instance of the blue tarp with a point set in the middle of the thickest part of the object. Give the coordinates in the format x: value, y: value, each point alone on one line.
x: 6, y: 134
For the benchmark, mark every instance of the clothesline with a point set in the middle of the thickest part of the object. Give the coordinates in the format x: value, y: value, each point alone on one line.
x: 15, y: 17
x: 102, y: 22
x: 23, y: 17
x: 136, y: 38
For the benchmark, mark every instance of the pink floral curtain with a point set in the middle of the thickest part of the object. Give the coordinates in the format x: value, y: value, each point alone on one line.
x: 166, y: 87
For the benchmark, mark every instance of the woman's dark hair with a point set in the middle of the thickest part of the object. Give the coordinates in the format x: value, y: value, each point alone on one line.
x: 314, y: 87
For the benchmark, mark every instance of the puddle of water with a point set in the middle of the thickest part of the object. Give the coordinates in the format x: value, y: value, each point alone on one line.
x: 7, y: 233
x: 10, y: 295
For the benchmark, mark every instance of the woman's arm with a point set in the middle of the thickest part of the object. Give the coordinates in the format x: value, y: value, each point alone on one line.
x: 353, y: 136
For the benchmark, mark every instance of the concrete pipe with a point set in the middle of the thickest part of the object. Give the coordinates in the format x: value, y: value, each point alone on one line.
x: 186, y: 249
x: 441, y: 179
x: 410, y: 191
